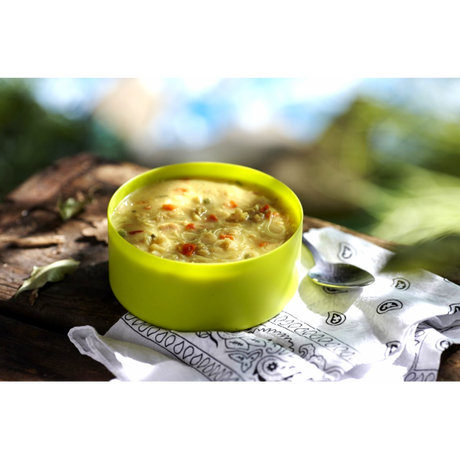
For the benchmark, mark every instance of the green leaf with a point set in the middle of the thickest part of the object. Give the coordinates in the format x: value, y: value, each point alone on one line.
x: 72, y: 206
x: 69, y: 208
x: 48, y: 273
x: 433, y: 255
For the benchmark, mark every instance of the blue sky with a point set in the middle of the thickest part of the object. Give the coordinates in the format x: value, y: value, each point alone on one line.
x: 199, y: 111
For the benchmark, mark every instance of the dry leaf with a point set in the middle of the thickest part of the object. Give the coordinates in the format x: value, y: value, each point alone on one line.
x: 48, y: 273
x: 72, y: 206
x: 98, y: 229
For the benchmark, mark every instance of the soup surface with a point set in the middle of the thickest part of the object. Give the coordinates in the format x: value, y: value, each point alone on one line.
x: 202, y: 221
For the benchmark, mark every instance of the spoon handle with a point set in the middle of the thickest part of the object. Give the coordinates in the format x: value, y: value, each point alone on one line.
x: 316, y: 255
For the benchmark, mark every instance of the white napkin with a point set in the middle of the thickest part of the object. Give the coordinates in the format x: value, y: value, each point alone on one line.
x: 392, y: 330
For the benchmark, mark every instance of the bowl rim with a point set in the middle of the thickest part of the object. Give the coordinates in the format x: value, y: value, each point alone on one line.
x: 145, y: 256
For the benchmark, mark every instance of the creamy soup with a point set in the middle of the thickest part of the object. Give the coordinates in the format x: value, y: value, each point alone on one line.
x: 202, y: 221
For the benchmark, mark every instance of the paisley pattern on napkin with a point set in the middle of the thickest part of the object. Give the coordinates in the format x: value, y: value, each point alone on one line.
x: 228, y: 356
x: 399, y: 326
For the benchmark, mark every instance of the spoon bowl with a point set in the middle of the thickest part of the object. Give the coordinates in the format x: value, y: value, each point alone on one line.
x: 336, y: 275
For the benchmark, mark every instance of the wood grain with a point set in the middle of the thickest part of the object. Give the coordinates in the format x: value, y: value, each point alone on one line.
x: 34, y: 354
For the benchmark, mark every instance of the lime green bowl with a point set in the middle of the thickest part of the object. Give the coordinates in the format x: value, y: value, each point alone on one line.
x: 183, y: 296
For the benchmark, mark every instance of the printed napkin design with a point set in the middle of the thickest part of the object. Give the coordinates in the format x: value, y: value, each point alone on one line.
x: 221, y: 356
x: 400, y: 323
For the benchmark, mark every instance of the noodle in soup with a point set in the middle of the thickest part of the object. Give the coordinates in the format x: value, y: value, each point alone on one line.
x: 202, y: 220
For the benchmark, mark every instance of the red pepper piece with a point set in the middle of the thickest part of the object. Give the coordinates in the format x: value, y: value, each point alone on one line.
x: 268, y: 214
x: 222, y: 236
x: 264, y: 243
x: 190, y: 226
x: 232, y: 204
x: 135, y: 231
x: 212, y: 218
x: 264, y: 208
x: 169, y: 207
x: 188, y: 249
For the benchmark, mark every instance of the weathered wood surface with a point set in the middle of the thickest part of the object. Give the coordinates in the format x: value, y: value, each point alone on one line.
x: 33, y: 336
x: 81, y: 298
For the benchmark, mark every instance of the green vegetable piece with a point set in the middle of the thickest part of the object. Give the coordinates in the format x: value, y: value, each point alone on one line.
x: 207, y: 201
x: 122, y: 232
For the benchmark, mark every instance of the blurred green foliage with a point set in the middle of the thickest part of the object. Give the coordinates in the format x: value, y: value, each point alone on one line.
x: 400, y: 168
x: 31, y: 137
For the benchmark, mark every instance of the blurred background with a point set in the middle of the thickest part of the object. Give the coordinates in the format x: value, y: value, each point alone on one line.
x: 381, y: 156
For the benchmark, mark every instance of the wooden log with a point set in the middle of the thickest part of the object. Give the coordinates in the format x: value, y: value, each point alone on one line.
x: 85, y: 296
x: 43, y: 186
x: 32, y: 241
x: 29, y: 353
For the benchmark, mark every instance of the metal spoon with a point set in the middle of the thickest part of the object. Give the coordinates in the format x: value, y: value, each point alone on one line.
x: 336, y: 275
